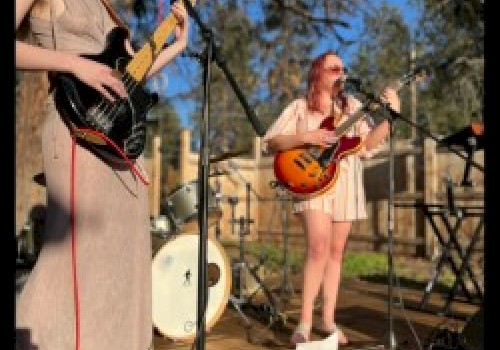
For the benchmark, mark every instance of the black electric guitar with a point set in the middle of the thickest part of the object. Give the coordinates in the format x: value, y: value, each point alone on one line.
x: 97, y: 120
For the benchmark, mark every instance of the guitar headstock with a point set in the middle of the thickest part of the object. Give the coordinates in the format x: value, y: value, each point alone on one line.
x: 187, y: 3
x: 417, y: 74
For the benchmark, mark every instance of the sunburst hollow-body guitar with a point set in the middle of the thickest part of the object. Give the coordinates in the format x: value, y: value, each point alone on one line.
x: 309, y: 171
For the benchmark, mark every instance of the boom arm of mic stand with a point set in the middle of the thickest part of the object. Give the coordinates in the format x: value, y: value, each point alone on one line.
x: 395, y: 115
x: 252, y: 117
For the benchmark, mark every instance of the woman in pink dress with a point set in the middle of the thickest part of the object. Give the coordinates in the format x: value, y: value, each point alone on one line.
x: 327, y: 218
x: 91, y: 285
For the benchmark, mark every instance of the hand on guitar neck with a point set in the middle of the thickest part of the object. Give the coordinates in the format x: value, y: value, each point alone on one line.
x: 321, y: 137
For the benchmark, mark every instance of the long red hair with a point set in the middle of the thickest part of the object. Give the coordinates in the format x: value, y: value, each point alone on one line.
x: 313, y: 79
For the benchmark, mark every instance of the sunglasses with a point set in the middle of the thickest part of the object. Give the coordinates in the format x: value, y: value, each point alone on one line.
x: 336, y: 69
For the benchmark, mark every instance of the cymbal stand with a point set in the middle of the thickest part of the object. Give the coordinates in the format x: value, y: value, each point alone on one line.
x: 241, y: 268
x: 232, y: 202
x: 218, y: 199
x: 239, y: 299
x: 286, y: 288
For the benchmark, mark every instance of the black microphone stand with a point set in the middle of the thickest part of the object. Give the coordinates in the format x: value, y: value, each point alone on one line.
x: 211, y: 53
x: 395, y: 115
x: 392, y: 116
x: 391, y: 336
x: 252, y: 117
x: 390, y: 236
x: 203, y: 170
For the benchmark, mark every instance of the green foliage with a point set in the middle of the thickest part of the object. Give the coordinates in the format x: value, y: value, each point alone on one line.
x: 271, y: 255
x: 383, y: 56
x: 449, y: 32
x: 363, y: 264
x: 269, y: 54
x: 453, y: 32
x: 371, y: 266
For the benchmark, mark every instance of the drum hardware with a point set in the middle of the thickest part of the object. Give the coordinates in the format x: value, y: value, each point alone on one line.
x: 233, y: 201
x: 227, y: 155
x: 161, y: 226
x: 238, y: 269
x: 217, y: 173
x: 286, y: 289
x: 241, y: 268
x: 218, y: 200
x: 241, y: 271
x: 161, y: 229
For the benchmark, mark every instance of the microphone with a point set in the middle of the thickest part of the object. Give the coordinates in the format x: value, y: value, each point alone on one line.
x: 348, y: 84
x: 355, y: 81
x: 339, y: 83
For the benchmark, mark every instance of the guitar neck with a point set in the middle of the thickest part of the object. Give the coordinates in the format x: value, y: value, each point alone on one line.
x: 406, y: 79
x: 140, y: 64
x: 342, y: 128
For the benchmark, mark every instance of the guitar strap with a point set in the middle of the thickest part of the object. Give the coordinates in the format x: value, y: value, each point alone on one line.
x: 72, y: 128
x: 114, y: 15
x: 52, y: 25
x: 108, y: 7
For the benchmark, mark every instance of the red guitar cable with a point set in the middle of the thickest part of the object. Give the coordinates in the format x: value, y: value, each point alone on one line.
x: 72, y: 217
x: 73, y: 246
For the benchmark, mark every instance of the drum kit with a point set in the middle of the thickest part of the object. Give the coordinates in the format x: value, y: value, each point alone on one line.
x: 175, y: 247
x: 175, y: 244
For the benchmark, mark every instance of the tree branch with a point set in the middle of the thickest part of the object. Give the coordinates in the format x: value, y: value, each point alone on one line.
x: 307, y: 15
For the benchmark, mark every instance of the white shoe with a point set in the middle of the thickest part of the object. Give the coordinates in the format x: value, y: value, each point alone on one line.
x: 329, y: 343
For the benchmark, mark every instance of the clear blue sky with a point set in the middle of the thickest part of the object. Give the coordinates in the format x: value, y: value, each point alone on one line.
x: 171, y: 83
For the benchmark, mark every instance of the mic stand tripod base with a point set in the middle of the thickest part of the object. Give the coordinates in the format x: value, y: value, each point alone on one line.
x: 390, y: 339
x: 286, y: 290
x: 237, y: 302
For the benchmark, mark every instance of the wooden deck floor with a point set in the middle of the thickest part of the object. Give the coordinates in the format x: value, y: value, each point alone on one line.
x: 362, y: 313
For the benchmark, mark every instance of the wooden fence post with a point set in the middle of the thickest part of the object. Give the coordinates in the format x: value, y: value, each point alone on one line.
x: 430, y: 191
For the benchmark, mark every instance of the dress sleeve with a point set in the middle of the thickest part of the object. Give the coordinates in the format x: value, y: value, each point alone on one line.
x: 363, y: 128
x: 286, y: 123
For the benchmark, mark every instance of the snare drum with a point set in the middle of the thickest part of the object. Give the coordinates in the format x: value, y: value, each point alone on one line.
x: 182, y: 207
x: 175, y: 286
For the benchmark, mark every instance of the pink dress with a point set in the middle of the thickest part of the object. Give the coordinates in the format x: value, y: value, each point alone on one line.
x: 345, y: 201
x: 113, y: 242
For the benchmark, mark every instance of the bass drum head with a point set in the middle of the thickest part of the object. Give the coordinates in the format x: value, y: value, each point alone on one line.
x: 175, y: 286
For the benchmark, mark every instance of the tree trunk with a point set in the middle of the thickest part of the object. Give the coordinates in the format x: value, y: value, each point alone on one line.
x: 30, y: 114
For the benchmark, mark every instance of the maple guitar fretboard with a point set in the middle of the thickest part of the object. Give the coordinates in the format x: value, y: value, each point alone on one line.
x: 140, y: 64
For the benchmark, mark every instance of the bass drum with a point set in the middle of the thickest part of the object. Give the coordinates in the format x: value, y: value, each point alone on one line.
x: 175, y: 286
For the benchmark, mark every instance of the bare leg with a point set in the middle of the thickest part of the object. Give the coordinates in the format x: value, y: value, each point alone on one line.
x: 318, y: 228
x: 331, y: 281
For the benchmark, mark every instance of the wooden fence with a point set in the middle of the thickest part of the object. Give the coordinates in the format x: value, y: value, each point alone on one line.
x: 419, y: 173
x: 420, y: 170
